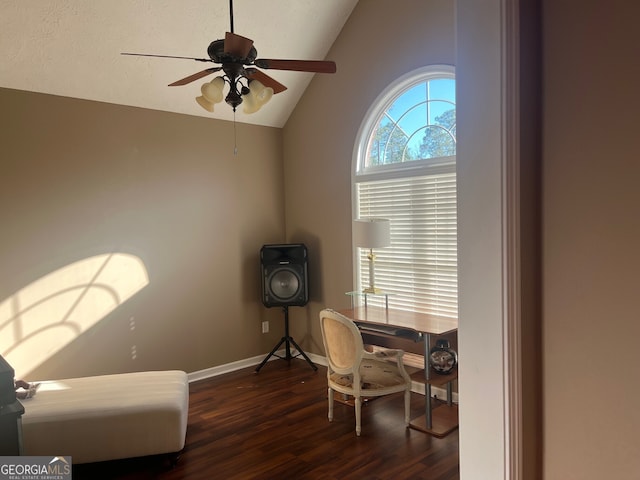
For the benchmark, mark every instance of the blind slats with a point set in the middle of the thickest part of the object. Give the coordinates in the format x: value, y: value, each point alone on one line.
x: 420, y: 267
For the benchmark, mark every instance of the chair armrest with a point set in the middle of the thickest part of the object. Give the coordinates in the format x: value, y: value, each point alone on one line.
x: 384, y: 354
x: 389, y: 355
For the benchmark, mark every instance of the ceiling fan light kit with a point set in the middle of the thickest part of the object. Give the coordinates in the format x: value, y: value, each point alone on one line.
x: 211, y: 93
x: 238, y: 59
x: 256, y: 97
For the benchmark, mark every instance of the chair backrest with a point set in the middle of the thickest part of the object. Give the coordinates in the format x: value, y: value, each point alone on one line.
x: 342, y: 342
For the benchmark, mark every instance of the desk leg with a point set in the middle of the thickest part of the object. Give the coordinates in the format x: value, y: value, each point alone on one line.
x: 427, y: 386
x: 425, y: 423
x: 446, y: 419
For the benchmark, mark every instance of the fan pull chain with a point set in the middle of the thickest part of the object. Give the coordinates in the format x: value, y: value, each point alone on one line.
x: 235, y: 139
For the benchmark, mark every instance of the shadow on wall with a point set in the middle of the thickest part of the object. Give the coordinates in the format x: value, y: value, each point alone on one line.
x: 42, y: 318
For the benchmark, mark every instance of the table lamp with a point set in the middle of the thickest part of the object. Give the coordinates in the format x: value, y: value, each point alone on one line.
x: 371, y: 233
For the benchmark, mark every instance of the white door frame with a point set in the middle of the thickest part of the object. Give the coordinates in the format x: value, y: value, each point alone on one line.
x: 487, y: 68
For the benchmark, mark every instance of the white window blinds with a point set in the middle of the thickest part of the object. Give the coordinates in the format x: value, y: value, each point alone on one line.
x: 419, y: 269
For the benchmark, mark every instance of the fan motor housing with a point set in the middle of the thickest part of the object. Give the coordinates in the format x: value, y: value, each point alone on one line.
x: 217, y: 54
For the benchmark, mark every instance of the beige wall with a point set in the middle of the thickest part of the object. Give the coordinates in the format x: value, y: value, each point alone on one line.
x: 591, y: 230
x: 371, y: 52
x: 79, y: 179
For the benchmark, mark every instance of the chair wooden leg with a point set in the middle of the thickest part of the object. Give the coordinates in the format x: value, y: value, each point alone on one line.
x: 407, y: 407
x: 358, y: 404
x: 330, y: 395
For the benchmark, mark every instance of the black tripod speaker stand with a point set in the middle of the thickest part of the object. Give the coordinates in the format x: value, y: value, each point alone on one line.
x: 287, y: 340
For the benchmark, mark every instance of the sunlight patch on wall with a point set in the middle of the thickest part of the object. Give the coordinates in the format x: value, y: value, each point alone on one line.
x: 45, y: 316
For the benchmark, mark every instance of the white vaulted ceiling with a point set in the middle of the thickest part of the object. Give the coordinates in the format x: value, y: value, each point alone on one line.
x: 72, y: 48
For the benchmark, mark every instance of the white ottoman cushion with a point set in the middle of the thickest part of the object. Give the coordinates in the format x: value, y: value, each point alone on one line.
x: 108, y: 417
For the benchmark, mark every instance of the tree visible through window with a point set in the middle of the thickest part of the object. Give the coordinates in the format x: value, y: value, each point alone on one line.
x: 419, y: 124
x: 405, y: 171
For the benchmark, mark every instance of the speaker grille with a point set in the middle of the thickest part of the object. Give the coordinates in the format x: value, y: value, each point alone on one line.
x: 284, y: 284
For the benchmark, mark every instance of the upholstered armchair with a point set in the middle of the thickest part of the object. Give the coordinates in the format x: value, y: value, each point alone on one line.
x: 354, y: 371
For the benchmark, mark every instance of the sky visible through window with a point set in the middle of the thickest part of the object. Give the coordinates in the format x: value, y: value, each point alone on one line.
x: 443, y: 95
x: 420, y: 123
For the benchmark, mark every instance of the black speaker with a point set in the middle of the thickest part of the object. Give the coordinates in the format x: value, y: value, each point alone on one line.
x: 284, y: 275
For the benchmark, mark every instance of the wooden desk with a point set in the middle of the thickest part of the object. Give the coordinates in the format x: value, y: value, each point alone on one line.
x: 419, y: 327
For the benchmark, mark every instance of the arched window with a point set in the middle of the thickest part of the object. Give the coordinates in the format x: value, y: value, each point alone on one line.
x: 404, y: 170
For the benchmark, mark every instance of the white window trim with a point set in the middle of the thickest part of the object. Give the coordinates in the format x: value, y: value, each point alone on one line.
x: 369, y: 124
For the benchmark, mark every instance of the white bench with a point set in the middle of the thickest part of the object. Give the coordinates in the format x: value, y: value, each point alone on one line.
x: 108, y: 417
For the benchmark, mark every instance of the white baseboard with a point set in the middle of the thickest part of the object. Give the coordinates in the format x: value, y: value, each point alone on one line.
x: 440, y: 393
x: 247, y: 362
x: 416, y: 387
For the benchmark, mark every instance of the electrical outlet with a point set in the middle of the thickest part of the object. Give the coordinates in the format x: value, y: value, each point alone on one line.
x: 265, y: 326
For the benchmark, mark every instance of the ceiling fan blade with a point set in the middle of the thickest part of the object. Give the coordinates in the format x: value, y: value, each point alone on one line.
x: 316, y: 66
x: 194, y: 77
x: 167, y: 56
x: 237, y: 45
x: 266, y: 80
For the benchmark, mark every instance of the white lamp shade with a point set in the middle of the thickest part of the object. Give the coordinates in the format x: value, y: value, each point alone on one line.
x: 258, y: 95
x: 372, y: 232
x: 211, y: 93
x: 204, y: 103
x: 212, y: 90
x: 261, y: 93
x: 249, y: 104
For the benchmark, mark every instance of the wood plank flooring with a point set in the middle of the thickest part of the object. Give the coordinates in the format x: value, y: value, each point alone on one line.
x: 273, y: 425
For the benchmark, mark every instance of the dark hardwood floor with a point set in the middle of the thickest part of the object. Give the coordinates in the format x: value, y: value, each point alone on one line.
x: 273, y: 425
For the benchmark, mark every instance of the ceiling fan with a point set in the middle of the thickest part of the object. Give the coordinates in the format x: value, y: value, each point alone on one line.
x: 238, y: 61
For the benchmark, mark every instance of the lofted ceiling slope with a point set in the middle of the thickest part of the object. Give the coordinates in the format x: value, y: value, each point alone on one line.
x: 72, y: 48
